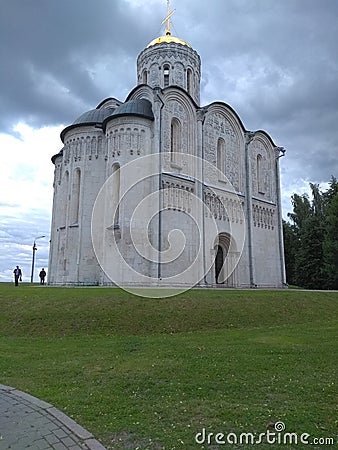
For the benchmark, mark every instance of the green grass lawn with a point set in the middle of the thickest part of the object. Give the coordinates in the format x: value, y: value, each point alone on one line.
x: 151, y: 373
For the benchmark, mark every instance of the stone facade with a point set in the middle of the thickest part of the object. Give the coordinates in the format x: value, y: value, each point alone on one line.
x: 215, y: 186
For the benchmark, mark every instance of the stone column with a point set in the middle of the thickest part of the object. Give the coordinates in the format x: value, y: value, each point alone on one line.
x: 279, y: 152
x: 200, y: 188
x: 158, y: 106
x: 249, y: 137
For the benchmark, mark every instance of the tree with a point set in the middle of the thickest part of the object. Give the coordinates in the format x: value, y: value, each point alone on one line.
x: 309, y: 256
x: 290, y: 249
x: 330, y: 245
x: 301, y: 210
x: 311, y: 240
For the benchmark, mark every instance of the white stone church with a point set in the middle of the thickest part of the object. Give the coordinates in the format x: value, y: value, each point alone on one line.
x: 161, y: 191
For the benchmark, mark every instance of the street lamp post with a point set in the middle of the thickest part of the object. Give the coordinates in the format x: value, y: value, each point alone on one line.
x: 33, y: 258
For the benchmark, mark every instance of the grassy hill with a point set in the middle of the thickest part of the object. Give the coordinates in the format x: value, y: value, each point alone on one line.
x: 151, y: 373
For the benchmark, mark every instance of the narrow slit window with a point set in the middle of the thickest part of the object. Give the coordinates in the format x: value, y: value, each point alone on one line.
x: 175, y: 144
x: 75, y: 197
x: 221, y: 155
x: 66, y: 199
x: 115, y: 207
x: 189, y: 82
x: 166, y: 73
x: 260, y: 180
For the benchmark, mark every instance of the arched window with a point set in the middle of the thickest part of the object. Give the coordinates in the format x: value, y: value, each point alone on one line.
x: 166, y: 72
x: 175, y: 141
x: 64, y: 206
x: 75, y: 197
x: 260, y: 180
x: 145, y: 77
x: 115, y: 193
x: 221, y: 155
x: 189, y: 82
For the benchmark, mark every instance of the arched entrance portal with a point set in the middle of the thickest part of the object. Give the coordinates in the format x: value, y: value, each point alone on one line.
x: 226, y: 258
x: 219, y: 260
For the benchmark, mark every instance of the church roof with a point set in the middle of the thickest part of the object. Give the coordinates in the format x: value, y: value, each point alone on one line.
x: 94, y: 116
x: 99, y: 116
x: 139, y: 107
x: 167, y: 40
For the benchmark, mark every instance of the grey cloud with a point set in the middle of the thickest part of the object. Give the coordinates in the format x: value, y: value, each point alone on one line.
x: 50, y: 54
x: 288, y: 55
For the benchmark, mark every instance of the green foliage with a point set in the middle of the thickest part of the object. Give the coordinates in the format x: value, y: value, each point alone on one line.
x: 311, y: 240
x: 309, y: 257
x: 290, y: 249
x: 330, y: 245
x: 301, y: 210
x: 151, y: 373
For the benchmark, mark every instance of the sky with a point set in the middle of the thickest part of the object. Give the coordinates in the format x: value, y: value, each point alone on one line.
x: 274, y: 61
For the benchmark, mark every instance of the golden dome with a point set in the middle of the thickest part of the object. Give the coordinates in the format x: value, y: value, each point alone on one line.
x: 168, y: 39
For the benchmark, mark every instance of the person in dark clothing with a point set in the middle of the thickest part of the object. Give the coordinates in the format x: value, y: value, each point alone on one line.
x: 42, y: 276
x: 17, y: 275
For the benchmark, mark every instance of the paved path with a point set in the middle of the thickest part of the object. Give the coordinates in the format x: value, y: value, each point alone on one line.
x: 29, y: 423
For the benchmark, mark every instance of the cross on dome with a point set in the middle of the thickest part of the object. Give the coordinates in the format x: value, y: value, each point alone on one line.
x: 168, y: 38
x: 167, y: 19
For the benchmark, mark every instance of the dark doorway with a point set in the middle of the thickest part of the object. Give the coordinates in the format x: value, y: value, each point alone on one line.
x: 218, y: 262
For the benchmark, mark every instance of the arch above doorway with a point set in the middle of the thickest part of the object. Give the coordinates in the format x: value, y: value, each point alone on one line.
x: 226, y: 260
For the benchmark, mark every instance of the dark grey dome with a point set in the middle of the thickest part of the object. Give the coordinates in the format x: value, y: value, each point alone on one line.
x: 100, y: 116
x: 138, y: 107
x: 94, y: 116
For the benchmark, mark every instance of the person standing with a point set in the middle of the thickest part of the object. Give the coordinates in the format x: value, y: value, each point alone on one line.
x: 17, y: 275
x: 42, y: 276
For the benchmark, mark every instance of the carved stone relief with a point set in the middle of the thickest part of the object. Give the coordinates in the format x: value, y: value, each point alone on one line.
x: 126, y: 139
x: 263, y: 216
x: 175, y: 109
x: 223, y: 207
x: 217, y: 126
x: 178, y: 78
x: 154, y: 75
x: 177, y: 194
x: 262, y: 181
